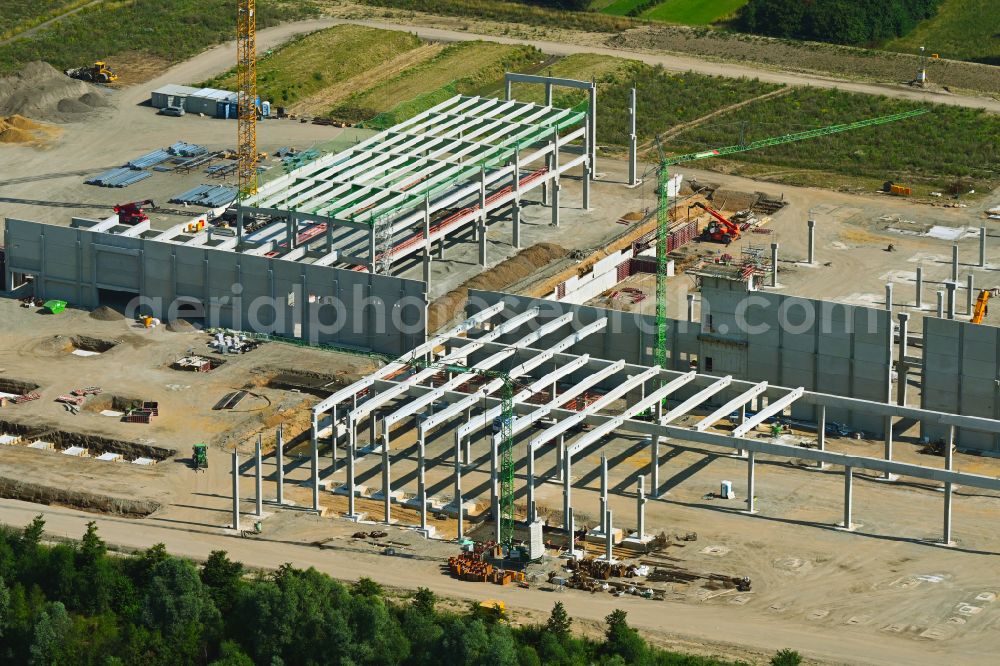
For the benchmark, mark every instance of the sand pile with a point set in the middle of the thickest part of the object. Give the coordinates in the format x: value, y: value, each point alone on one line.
x: 104, y: 313
x: 42, y: 92
x: 181, y: 326
x: 18, y: 129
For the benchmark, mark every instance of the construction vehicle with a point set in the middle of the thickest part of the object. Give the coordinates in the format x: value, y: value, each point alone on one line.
x: 99, y: 72
x: 720, y: 230
x: 199, y: 456
x: 131, y: 214
x: 982, y: 306
x: 663, y: 208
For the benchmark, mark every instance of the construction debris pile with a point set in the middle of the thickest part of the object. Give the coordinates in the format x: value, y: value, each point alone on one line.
x: 471, y: 566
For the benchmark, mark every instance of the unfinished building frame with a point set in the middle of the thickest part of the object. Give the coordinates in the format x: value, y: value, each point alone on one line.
x: 406, y: 190
x: 551, y: 379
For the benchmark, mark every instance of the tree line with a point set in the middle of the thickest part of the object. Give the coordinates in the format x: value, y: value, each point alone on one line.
x: 839, y: 21
x: 74, y: 603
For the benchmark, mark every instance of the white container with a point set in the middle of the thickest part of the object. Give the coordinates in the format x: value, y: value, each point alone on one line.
x: 726, y: 491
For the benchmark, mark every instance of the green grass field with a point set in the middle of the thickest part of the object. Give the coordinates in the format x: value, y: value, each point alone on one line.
x: 962, y: 30
x: 172, y: 30
x: 929, y: 152
x: 16, y: 16
x: 313, y: 62
x: 688, y: 12
x: 472, y: 66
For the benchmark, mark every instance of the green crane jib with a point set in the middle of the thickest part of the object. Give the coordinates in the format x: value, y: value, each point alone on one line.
x: 663, y: 218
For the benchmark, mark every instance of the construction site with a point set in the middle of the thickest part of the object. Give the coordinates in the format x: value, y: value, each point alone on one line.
x: 473, y: 348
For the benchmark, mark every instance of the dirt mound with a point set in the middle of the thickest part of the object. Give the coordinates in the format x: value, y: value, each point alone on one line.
x: 94, y: 99
x: 42, y: 92
x: 104, y: 313
x: 181, y: 326
x: 504, y: 274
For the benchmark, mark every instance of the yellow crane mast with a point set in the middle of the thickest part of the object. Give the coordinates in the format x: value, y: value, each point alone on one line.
x: 246, y: 75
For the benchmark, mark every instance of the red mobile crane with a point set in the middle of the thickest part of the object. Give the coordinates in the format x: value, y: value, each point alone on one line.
x: 131, y: 214
x: 720, y: 230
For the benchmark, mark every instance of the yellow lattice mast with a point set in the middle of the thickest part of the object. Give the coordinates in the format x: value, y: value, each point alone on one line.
x: 246, y: 75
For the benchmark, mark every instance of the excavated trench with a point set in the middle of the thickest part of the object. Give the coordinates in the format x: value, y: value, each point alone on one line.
x: 96, y: 444
x: 16, y: 386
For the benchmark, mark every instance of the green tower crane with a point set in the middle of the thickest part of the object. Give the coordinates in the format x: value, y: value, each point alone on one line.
x: 663, y: 216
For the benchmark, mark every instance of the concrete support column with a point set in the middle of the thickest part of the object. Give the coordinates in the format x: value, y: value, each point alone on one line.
x: 506, y: 89
x: 555, y: 201
x: 970, y: 289
x: 515, y: 214
x: 982, y: 247
x: 291, y: 231
x: 690, y: 307
x: 560, y: 456
x: 421, y: 478
x: 812, y: 241
x: 592, y: 118
x: 494, y: 472
x: 640, y: 496
x: 569, y: 534
x: 495, y: 509
x: 586, y: 185
x: 604, y: 489
x: 386, y: 474
x: 236, y: 490
x: 902, y: 369
x: 482, y: 243
x: 458, y: 492
x: 954, y: 262
x: 609, y: 540
x: 258, y: 475
x: 371, y: 250
x: 567, y: 491
x: 239, y: 228
x: 633, y: 174
x: 888, y: 296
x: 530, y: 485
x: 919, y: 302
x: 314, y: 471
x: 821, y: 432
x: 750, y: 482
x: 427, y: 242
x: 948, y: 486
x: 548, y: 94
x: 654, y: 454
x: 940, y: 304
x: 951, y: 287
x: 774, y: 264
x: 352, y: 439
x: 279, y: 459
x: 848, y: 496
x: 334, y: 436
x: 888, y: 444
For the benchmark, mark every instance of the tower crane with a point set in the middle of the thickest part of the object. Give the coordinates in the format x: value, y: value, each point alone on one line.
x: 246, y: 104
x: 663, y: 213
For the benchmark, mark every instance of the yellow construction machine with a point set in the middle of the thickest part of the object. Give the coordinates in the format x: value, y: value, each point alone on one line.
x: 982, y: 305
x: 99, y: 72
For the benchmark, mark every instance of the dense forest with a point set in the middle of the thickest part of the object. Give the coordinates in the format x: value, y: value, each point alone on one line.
x: 838, y: 21
x: 77, y: 604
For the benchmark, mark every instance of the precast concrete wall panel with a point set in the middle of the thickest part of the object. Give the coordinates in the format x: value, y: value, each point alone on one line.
x: 961, y: 374
x: 319, y: 304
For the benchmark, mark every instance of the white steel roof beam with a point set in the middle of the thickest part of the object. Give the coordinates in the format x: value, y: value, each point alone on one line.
x: 438, y: 340
x: 632, y: 411
x: 576, y: 419
x: 773, y: 407
x: 727, y: 409
x: 695, y: 400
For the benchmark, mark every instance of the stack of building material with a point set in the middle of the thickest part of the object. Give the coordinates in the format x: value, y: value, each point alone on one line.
x: 184, y: 149
x: 77, y: 451
x: 120, y: 177
x: 149, y: 159
x: 41, y: 445
x: 143, y: 461
x: 111, y: 457
x: 9, y: 440
x: 210, y: 196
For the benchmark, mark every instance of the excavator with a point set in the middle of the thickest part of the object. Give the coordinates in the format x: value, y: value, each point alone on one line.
x: 99, y: 72
x: 720, y: 230
x: 131, y: 214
